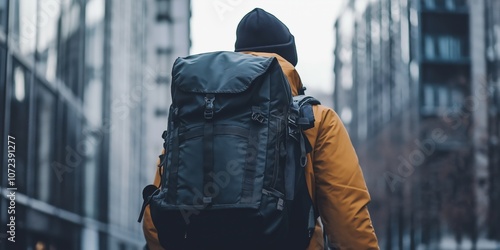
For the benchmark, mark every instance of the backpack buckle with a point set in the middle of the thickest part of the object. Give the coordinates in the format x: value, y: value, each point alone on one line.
x: 257, y: 115
x: 209, y: 107
x: 209, y: 114
x: 207, y: 200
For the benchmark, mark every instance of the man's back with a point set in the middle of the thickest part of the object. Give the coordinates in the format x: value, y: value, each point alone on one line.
x: 334, y: 177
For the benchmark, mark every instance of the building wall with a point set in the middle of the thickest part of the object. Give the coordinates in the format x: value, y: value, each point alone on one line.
x: 373, y: 82
x: 493, y: 80
x: 169, y: 32
x: 406, y: 71
x: 75, y: 86
x: 126, y: 57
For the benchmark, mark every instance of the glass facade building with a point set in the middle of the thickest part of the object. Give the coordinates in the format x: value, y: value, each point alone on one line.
x: 493, y: 80
x: 416, y: 85
x: 76, y: 77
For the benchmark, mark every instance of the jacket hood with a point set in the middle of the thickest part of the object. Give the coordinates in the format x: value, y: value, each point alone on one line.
x: 288, y: 69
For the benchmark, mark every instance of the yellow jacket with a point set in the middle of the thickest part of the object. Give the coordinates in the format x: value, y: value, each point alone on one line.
x: 334, y: 179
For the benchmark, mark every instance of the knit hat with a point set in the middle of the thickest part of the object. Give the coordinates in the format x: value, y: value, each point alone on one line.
x: 260, y: 31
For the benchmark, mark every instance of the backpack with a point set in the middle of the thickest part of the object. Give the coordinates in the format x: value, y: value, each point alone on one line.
x: 233, y: 173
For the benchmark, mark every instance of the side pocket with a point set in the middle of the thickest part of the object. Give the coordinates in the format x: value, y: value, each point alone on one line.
x: 276, y: 195
x: 273, y: 214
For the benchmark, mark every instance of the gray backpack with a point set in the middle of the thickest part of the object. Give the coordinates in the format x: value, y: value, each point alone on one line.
x: 233, y: 172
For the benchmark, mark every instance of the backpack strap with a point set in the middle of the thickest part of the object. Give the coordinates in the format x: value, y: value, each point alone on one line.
x: 302, y: 91
x: 147, y: 194
x: 306, y: 115
x: 305, y: 120
x: 306, y: 99
x: 171, y: 143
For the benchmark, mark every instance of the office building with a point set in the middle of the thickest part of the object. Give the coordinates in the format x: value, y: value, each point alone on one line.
x: 492, y: 24
x: 423, y: 117
x: 75, y: 86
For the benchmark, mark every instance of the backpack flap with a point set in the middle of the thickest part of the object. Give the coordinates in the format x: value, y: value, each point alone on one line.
x: 226, y: 72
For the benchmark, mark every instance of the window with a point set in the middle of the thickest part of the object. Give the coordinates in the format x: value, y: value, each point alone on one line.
x: 445, y: 4
x: 3, y: 15
x: 162, y: 61
x: 70, y: 49
x: 440, y: 98
x: 74, y: 157
x: 23, y: 27
x: 445, y: 47
x: 94, y: 75
x: 91, y: 137
x: 92, y: 141
x: 163, y: 79
x: 163, y: 10
x: 49, y: 15
x: 70, y: 158
x: 3, y: 60
x: 45, y: 134
x: 3, y: 68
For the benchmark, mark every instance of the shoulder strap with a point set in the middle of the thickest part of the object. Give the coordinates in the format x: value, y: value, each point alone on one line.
x: 305, y: 99
x: 306, y: 116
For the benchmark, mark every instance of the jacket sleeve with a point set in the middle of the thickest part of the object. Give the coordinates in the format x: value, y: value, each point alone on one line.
x: 341, y: 192
x: 148, y: 226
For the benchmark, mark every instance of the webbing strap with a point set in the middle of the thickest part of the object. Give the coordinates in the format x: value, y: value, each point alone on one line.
x: 218, y: 130
x: 208, y: 159
x: 303, y: 153
x: 250, y: 166
x: 174, y: 169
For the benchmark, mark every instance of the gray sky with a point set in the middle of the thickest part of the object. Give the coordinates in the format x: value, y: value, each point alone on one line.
x: 213, y: 27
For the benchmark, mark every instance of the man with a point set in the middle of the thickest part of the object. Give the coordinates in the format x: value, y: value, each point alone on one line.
x: 334, y: 177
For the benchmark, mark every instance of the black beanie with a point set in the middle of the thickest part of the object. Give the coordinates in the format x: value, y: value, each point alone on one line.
x: 261, y: 31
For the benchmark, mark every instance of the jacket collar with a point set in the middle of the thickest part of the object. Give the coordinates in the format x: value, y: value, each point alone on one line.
x: 288, y: 69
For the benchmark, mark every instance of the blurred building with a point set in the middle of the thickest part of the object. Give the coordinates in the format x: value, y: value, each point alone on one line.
x: 493, y: 80
x: 374, y: 93
x: 422, y: 111
x: 169, y: 27
x: 82, y: 84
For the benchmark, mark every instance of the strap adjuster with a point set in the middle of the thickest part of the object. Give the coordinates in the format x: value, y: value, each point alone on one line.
x: 257, y: 114
x: 209, y: 114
